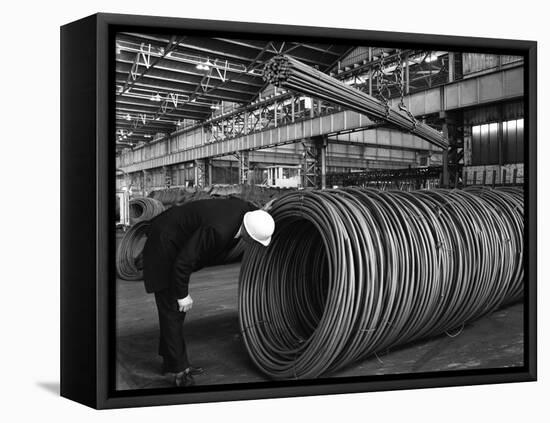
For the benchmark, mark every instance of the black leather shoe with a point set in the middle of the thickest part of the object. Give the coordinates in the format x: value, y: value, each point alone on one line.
x: 184, y: 379
x: 194, y: 371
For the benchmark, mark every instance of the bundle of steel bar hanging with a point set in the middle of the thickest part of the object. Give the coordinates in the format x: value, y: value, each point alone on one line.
x: 289, y: 73
x: 353, y: 272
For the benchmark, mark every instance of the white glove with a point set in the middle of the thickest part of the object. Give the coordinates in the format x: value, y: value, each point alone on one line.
x: 185, y: 304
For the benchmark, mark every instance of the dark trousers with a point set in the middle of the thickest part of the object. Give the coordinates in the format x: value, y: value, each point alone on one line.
x: 172, y: 342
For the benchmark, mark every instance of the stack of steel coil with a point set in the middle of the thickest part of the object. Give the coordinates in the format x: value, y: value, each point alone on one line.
x: 353, y: 272
x: 291, y: 74
x: 144, y: 208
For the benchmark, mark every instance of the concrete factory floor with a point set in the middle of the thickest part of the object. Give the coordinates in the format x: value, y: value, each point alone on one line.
x: 214, y: 340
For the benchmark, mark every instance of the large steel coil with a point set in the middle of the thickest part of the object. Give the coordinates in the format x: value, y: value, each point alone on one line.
x: 144, y: 208
x: 353, y: 272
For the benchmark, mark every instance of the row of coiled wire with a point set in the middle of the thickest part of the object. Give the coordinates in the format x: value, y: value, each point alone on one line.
x: 352, y: 272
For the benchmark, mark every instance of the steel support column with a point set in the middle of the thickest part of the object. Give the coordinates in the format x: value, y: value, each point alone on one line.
x: 314, y: 162
x: 144, y: 186
x: 453, y: 157
x: 244, y: 166
x: 166, y: 171
x: 201, y: 171
x: 451, y: 56
x: 322, y: 147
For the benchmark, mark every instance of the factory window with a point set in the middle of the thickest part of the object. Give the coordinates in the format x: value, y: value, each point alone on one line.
x: 485, y: 144
x: 513, y: 141
x: 488, y: 149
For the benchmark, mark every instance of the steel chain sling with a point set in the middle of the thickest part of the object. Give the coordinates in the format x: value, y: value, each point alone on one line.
x: 383, y: 86
x: 399, y: 79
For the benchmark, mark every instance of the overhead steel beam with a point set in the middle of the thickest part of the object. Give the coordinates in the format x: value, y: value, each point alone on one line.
x: 134, y: 75
x: 145, y: 101
x: 381, y: 146
x: 212, y: 52
x: 244, y: 44
x: 340, y: 58
x: 148, y: 115
x: 205, y: 95
x: 157, y: 76
x: 191, y: 47
x: 157, y: 88
x: 125, y: 66
x: 321, y: 50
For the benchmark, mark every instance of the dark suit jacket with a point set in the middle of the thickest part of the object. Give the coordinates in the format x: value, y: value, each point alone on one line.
x: 185, y: 238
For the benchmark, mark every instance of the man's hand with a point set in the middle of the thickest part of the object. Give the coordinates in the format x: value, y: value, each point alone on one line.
x: 185, y: 304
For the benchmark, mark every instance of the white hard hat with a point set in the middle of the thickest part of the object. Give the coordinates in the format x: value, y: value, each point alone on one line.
x: 260, y: 226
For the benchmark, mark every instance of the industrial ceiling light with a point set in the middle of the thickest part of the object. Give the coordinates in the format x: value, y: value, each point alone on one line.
x: 431, y: 58
x: 157, y: 118
x: 204, y: 66
x: 156, y: 97
x: 128, y: 117
x: 124, y: 137
x: 178, y: 123
x: 214, y: 107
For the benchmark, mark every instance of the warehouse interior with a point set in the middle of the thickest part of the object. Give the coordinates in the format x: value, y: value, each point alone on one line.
x: 196, y: 118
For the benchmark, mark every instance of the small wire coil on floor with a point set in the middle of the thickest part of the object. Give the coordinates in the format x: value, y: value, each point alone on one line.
x: 352, y: 272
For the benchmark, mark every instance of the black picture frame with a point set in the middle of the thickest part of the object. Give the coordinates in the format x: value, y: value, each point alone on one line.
x: 87, y: 211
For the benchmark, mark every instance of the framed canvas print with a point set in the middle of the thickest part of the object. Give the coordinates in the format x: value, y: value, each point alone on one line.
x: 257, y: 211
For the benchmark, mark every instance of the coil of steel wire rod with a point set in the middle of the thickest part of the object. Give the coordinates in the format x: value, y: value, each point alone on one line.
x: 289, y: 73
x: 130, y: 248
x: 354, y: 271
x: 144, y: 208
